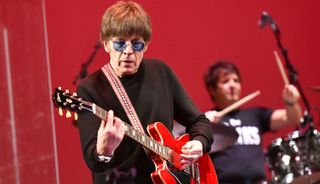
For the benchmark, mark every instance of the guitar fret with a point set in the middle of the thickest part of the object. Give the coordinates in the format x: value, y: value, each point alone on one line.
x: 104, y: 114
x: 101, y: 113
x: 151, y: 144
x: 156, y: 148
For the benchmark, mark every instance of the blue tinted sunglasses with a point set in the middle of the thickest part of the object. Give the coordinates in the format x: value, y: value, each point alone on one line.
x: 121, y: 45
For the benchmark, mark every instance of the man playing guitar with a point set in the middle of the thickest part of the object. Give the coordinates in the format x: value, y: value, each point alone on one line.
x: 156, y: 95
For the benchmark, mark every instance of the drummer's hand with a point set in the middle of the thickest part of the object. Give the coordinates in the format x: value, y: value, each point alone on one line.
x: 290, y: 94
x: 213, y: 116
x: 191, y: 152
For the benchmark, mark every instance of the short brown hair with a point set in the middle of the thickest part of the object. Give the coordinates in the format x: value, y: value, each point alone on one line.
x: 125, y: 19
x: 211, y: 77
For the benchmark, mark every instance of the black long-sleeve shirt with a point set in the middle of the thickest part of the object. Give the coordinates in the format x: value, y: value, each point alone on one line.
x: 156, y: 95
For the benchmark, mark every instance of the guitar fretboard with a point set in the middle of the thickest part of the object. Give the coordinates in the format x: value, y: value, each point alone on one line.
x: 141, y: 138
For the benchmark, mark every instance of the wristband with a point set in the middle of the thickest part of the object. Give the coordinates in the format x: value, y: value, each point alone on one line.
x: 104, y: 159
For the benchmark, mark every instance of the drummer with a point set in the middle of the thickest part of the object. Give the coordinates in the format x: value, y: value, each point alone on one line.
x: 243, y: 163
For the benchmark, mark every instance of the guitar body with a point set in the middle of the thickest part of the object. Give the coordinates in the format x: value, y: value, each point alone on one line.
x: 166, y: 174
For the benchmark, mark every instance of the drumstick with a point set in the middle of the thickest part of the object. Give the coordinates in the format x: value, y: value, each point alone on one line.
x: 238, y: 103
x: 283, y: 73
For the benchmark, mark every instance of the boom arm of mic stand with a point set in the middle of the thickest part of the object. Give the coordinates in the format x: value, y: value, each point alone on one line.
x: 293, y: 76
x: 84, y: 66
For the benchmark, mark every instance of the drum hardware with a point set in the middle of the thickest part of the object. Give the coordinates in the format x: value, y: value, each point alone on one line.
x: 295, y: 158
x: 297, y: 161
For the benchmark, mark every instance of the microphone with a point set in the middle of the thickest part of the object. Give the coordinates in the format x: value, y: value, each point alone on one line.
x: 267, y: 19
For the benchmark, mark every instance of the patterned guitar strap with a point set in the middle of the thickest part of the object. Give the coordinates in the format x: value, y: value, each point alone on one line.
x: 123, y: 98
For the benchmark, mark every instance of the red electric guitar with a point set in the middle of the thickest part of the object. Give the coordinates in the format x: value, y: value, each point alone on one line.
x: 164, y: 149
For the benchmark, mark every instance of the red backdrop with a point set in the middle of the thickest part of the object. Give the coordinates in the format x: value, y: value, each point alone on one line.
x: 189, y: 36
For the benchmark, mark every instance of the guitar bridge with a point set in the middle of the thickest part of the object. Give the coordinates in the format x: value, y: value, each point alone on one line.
x: 193, y: 171
x: 188, y: 174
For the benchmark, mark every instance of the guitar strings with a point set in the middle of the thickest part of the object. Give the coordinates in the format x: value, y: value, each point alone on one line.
x: 175, y: 157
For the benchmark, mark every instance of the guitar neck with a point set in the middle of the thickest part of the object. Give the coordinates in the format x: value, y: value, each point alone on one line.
x: 136, y: 135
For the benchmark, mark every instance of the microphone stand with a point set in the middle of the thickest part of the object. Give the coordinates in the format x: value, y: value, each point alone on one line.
x: 84, y: 66
x: 293, y: 76
x: 83, y: 71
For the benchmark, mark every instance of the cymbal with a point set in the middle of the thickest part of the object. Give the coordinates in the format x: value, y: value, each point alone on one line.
x: 314, y: 88
x: 224, y: 136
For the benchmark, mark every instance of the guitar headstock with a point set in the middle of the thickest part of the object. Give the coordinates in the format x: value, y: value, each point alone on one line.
x: 65, y: 100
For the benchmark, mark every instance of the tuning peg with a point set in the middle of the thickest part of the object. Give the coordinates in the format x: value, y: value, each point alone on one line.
x: 75, y: 116
x: 74, y: 94
x: 59, y: 88
x: 60, y: 111
x: 68, y: 114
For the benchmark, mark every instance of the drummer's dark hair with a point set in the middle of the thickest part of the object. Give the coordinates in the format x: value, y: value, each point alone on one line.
x: 211, y: 77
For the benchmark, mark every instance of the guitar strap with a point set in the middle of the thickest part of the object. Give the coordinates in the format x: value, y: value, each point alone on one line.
x: 123, y: 98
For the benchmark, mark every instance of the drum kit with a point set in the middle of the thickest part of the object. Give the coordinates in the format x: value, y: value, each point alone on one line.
x: 295, y: 158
